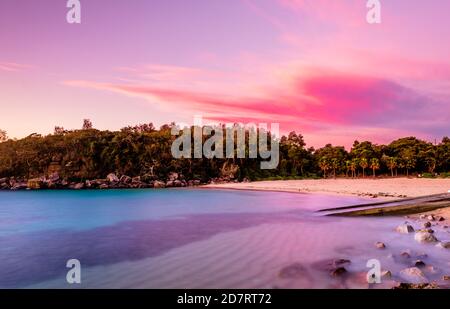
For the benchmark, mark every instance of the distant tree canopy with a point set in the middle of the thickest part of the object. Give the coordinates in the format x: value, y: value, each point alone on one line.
x: 142, y: 150
x: 3, y: 136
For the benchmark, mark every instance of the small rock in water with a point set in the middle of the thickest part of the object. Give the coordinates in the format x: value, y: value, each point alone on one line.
x: 422, y: 217
x: 431, y: 218
x: 413, y: 275
x: 440, y: 218
x: 445, y: 278
x: 444, y: 244
x: 338, y: 271
x: 386, y: 274
x: 405, y: 254
x: 335, y: 267
x: 427, y: 224
x: 380, y: 245
x: 295, y: 270
x: 425, y: 237
x: 419, y: 263
x: 430, y: 269
x: 405, y: 229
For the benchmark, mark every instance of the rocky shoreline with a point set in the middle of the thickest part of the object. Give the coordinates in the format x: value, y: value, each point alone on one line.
x: 112, y: 181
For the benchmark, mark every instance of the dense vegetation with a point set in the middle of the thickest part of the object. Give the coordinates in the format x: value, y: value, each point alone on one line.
x: 143, y: 150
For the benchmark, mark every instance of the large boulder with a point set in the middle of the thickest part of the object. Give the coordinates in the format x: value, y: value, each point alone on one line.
x: 158, y: 184
x: 173, y: 176
x: 34, y: 184
x: 77, y: 186
x: 444, y: 244
x: 405, y: 229
x: 425, y: 237
x: 413, y: 275
x: 112, y: 178
x: 126, y: 179
x: 19, y: 186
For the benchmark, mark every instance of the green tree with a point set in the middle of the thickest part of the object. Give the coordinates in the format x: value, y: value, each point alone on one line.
x: 324, y: 165
x: 374, y: 165
x: 3, y: 136
x: 391, y: 163
x: 363, y: 163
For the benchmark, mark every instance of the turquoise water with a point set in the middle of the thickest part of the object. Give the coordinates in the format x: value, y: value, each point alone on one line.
x: 179, y: 238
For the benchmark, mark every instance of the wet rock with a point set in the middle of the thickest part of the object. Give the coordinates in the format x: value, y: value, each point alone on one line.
x: 380, y: 245
x: 419, y: 263
x: 413, y: 275
x: 173, y: 176
x: 125, y: 179
x: 19, y: 186
x: 77, y: 186
x: 34, y: 184
x: 339, y: 271
x: 427, y: 224
x: 430, y: 269
x: 386, y: 274
x: 405, y: 254
x: 405, y: 229
x: 177, y: 183
x: 425, y: 237
x: 423, y: 217
x: 440, y: 218
x: 446, y: 278
x: 431, y: 218
x: 444, y: 244
x: 112, y: 178
x: 159, y: 184
x: 295, y: 270
x: 412, y: 286
x: 335, y: 267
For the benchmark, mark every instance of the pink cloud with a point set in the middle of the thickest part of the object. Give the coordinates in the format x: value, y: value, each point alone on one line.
x: 13, y: 67
x: 345, y: 103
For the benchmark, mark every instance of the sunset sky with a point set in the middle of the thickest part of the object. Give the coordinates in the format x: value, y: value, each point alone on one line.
x: 314, y: 66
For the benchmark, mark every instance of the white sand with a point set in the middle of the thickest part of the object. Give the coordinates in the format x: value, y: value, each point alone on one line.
x: 410, y: 187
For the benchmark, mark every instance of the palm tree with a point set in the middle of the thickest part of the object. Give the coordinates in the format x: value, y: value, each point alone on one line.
x: 374, y: 165
x: 324, y: 166
x: 391, y: 163
x: 334, y: 165
x: 348, y: 168
x: 354, y: 166
x: 364, y: 164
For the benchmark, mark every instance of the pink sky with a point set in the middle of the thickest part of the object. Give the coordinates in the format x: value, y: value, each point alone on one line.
x: 314, y: 66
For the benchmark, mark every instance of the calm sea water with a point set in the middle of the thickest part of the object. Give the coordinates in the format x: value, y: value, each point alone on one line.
x: 189, y: 239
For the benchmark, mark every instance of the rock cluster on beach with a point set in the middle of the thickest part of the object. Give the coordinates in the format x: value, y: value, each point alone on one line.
x: 112, y: 181
x: 416, y: 272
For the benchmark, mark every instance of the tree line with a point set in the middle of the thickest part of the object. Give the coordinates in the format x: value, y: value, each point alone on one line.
x: 143, y: 150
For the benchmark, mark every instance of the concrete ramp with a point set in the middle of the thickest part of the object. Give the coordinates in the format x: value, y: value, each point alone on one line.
x: 392, y: 208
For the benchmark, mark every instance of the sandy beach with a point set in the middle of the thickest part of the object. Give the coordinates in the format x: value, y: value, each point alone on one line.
x: 386, y: 188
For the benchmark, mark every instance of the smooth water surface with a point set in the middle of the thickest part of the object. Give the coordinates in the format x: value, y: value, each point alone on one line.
x: 187, y: 238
